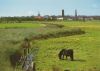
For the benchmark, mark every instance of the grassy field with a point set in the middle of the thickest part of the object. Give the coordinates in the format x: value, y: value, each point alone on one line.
x: 20, y: 25
x: 11, y: 37
x: 86, y: 47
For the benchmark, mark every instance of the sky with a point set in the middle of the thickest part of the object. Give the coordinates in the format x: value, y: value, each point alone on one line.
x: 48, y: 7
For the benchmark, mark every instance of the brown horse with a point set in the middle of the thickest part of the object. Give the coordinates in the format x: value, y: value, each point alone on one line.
x: 67, y: 53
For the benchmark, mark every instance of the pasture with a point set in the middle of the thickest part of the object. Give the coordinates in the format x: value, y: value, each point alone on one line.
x: 86, y: 46
x: 20, y: 25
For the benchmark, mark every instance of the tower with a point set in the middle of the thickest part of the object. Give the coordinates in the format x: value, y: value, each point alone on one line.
x: 63, y: 13
x: 76, y: 14
x: 39, y: 14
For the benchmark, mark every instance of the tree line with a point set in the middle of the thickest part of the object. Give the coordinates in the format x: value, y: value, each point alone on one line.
x: 22, y: 19
x: 16, y: 19
x: 33, y: 18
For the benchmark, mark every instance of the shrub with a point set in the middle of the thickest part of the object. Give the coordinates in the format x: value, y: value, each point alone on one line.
x: 59, y: 33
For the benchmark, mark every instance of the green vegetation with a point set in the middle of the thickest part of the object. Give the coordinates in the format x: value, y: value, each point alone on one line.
x: 20, y: 25
x: 86, y: 46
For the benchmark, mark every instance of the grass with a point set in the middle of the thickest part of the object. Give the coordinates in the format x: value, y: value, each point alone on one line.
x: 21, y: 25
x: 86, y: 47
x: 11, y: 37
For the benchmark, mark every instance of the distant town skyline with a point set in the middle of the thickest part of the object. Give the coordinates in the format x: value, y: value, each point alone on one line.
x: 49, y: 7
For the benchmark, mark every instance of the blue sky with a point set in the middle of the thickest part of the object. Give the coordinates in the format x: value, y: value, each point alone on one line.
x: 48, y: 7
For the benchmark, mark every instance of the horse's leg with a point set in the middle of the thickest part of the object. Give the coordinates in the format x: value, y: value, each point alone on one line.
x: 72, y: 57
x: 66, y: 56
x: 63, y: 56
x: 60, y: 57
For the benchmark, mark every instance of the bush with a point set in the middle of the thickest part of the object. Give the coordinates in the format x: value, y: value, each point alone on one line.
x: 59, y: 33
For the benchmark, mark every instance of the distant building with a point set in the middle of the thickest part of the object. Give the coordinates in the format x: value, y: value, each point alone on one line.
x: 39, y: 17
x: 60, y: 18
x: 47, y: 17
x: 53, y: 17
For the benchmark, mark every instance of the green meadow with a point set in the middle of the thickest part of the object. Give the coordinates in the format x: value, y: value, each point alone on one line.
x: 86, y: 46
x: 20, y: 25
